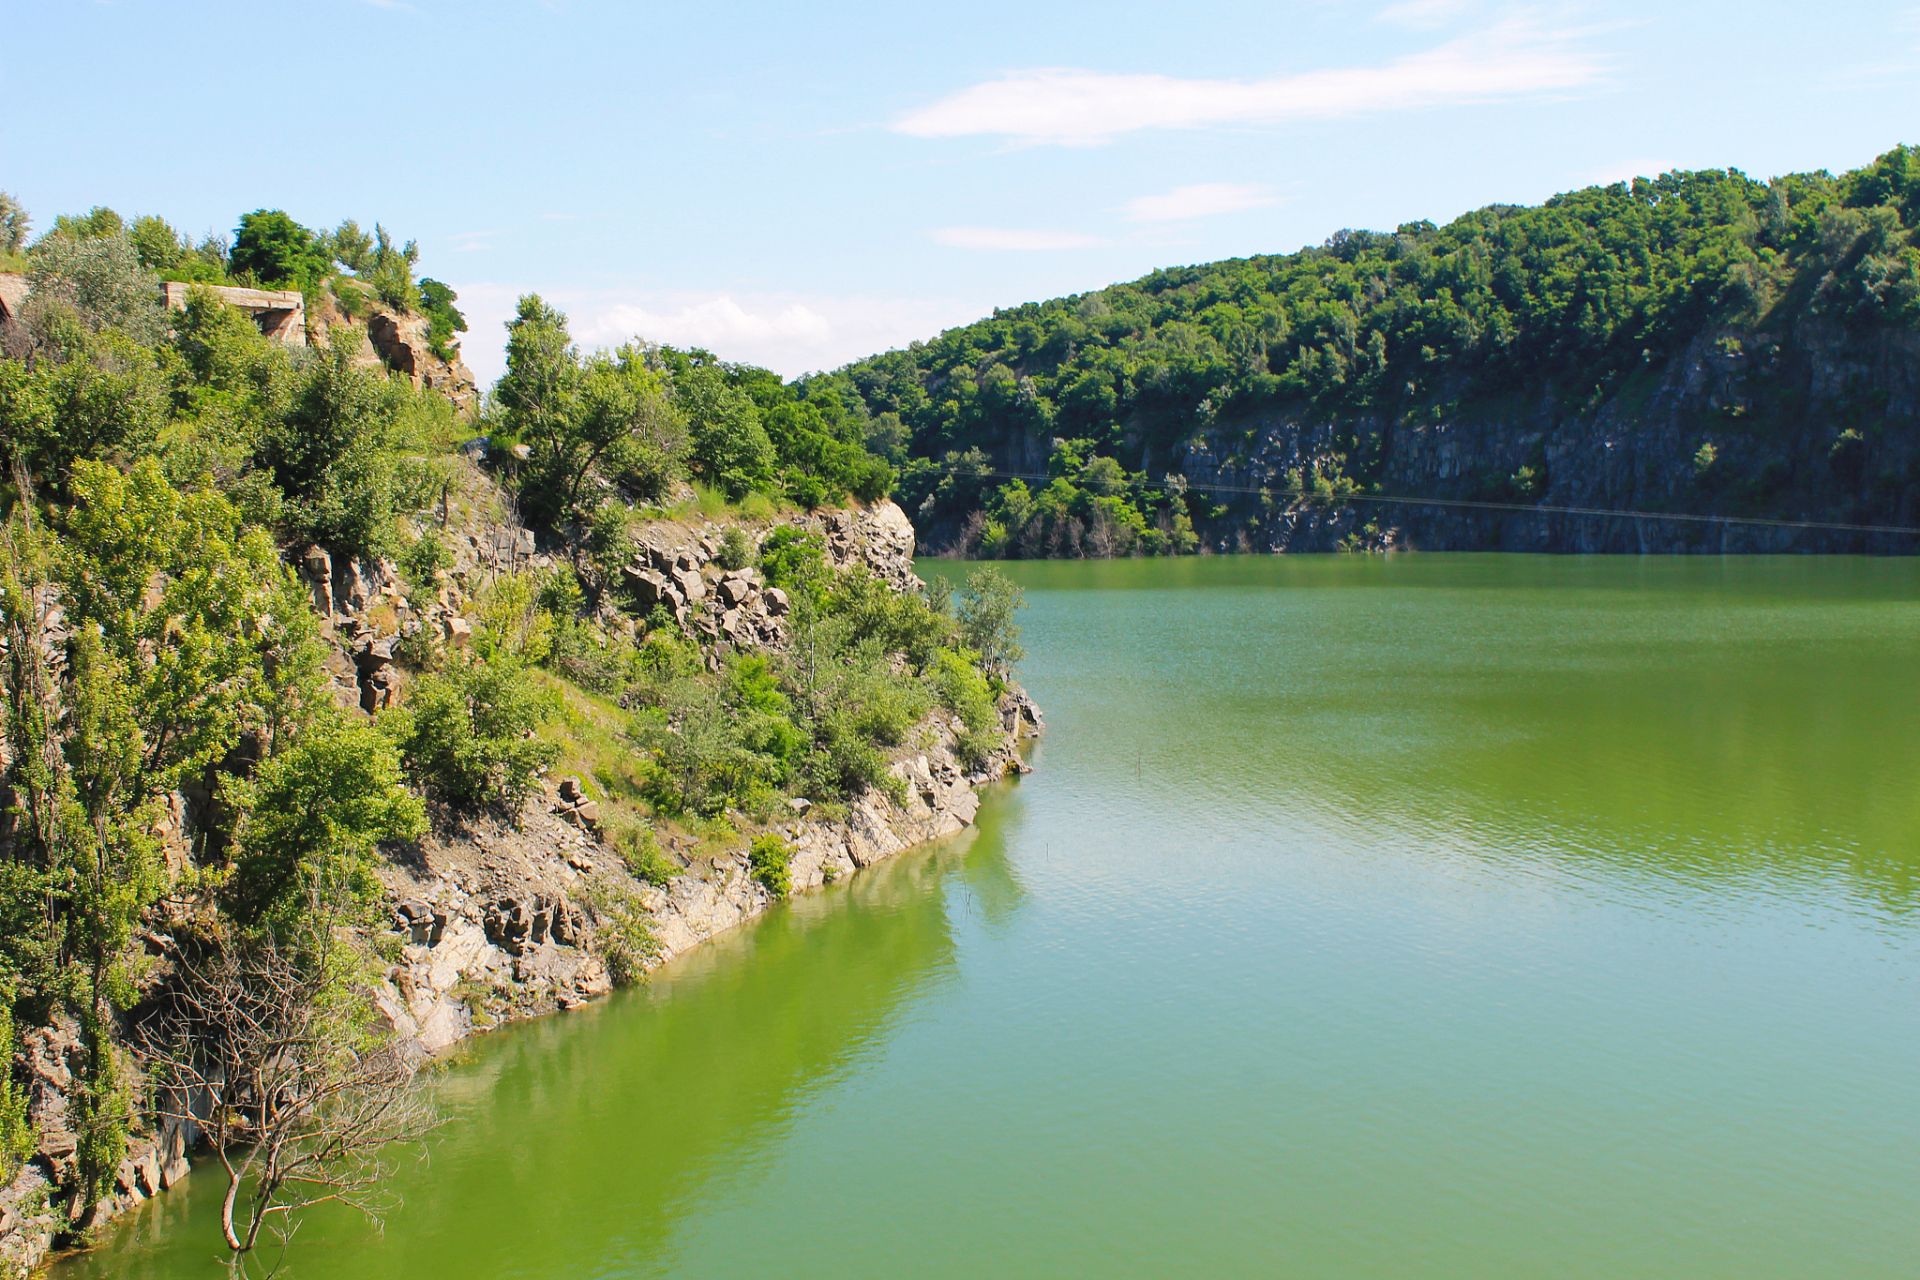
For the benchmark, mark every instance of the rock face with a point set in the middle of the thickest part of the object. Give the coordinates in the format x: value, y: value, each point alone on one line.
x: 1818, y: 423
x: 502, y: 923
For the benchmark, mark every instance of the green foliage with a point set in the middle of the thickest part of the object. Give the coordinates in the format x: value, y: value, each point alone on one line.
x: 16, y: 1136
x: 443, y: 319
x: 277, y: 251
x: 736, y: 549
x: 423, y: 559
x: 465, y: 733
x: 625, y: 937
x: 389, y: 269
x: 102, y: 280
x: 791, y: 559
x: 15, y: 224
x: 313, y: 816
x: 108, y: 398
x: 640, y: 853
x: 605, y: 419
x: 768, y: 859
x: 985, y: 613
x: 1576, y: 294
x: 333, y: 456
x: 730, y: 449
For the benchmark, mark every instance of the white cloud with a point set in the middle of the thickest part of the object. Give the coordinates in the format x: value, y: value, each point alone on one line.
x: 1073, y: 107
x: 1425, y: 13
x: 1013, y: 238
x: 1201, y: 200
x: 788, y: 333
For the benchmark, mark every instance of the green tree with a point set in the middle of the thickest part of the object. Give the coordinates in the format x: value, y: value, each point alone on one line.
x: 985, y: 612
x: 466, y: 733
x: 313, y: 816
x: 730, y: 449
x: 277, y: 251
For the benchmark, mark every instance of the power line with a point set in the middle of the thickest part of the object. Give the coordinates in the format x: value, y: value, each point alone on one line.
x: 1541, y: 509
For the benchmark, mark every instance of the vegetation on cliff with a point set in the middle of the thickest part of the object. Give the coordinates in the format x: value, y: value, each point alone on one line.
x: 192, y: 795
x: 1578, y: 293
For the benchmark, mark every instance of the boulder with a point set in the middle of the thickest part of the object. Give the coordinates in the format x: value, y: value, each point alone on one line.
x: 459, y: 632
x: 776, y: 602
x: 691, y: 584
x: 650, y: 587
x: 735, y: 590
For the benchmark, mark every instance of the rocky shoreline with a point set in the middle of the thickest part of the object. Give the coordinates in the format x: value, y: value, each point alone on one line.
x: 494, y: 921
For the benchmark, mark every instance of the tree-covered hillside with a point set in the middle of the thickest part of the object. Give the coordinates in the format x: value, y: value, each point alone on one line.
x: 1575, y: 294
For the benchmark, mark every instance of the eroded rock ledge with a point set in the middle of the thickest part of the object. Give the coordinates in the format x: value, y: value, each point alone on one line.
x: 500, y: 924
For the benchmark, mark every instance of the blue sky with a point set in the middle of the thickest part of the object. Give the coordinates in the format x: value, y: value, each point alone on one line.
x: 801, y: 185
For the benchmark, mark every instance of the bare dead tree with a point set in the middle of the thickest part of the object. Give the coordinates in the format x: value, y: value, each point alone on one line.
x: 253, y: 1049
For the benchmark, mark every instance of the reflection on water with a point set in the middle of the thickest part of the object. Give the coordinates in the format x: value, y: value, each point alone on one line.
x: 584, y: 1136
x: 1438, y: 916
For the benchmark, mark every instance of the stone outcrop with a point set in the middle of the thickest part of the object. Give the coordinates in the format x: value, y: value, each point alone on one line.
x: 501, y: 922
x: 497, y: 921
x: 1817, y: 423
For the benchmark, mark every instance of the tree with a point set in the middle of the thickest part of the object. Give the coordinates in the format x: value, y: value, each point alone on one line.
x: 443, y: 319
x: 987, y: 605
x: 102, y: 279
x: 466, y: 733
x: 14, y: 223
x: 312, y: 817
x: 277, y: 251
x: 730, y: 449
x: 301, y: 1106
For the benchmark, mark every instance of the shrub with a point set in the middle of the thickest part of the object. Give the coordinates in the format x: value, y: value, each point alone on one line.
x: 425, y: 557
x: 443, y: 319
x: 277, y: 251
x: 768, y: 859
x: 624, y: 937
x: 736, y: 550
x: 466, y: 733
x: 790, y: 558
x: 102, y: 279
x: 641, y: 853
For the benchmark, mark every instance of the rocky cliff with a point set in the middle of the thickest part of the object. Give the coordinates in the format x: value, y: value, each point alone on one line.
x: 1813, y: 423
x: 493, y: 920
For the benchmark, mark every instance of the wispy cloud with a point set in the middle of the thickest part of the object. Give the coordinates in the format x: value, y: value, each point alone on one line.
x: 1201, y: 200
x: 1076, y: 107
x: 1013, y: 238
x: 1425, y: 13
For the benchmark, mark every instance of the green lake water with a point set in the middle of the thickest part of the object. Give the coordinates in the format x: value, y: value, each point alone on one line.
x: 1429, y: 916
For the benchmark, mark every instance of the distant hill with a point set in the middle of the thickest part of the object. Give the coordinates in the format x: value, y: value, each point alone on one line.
x: 1750, y: 345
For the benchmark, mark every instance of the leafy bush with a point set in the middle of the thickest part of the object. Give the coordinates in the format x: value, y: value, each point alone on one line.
x: 987, y: 605
x: 423, y: 559
x: 443, y: 319
x: 792, y: 559
x: 103, y: 280
x: 313, y: 816
x: 640, y: 852
x: 768, y: 860
x: 736, y: 549
x: 277, y: 251
x: 624, y: 936
x: 466, y: 733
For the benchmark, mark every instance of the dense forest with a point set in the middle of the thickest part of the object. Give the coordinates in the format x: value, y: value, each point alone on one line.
x: 1103, y: 391
x: 188, y: 792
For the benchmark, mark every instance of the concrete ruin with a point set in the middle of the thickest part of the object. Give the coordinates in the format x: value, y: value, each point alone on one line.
x: 13, y: 293
x: 280, y: 313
